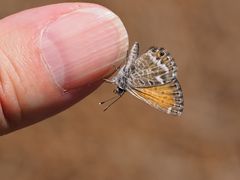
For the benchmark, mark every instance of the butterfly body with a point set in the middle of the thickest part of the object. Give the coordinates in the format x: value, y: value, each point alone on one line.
x: 152, y: 78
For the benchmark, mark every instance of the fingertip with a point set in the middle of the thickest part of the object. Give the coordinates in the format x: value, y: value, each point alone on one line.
x: 83, y: 46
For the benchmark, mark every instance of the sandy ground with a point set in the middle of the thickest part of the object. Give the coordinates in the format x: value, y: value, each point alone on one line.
x: 132, y: 141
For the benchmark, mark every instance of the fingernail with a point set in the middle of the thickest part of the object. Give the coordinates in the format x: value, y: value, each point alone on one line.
x: 83, y: 46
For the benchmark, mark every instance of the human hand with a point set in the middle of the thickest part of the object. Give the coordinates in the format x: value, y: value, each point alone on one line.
x: 53, y: 56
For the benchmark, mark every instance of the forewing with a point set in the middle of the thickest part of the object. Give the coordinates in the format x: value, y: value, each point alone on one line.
x: 167, y: 98
x: 153, y: 68
x: 132, y: 54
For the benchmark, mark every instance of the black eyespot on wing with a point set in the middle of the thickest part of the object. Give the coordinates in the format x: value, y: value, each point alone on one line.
x: 153, y: 49
x: 162, y: 53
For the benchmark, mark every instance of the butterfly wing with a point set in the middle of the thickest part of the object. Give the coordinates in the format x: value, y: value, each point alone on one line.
x: 167, y: 98
x: 153, y: 68
x: 153, y: 79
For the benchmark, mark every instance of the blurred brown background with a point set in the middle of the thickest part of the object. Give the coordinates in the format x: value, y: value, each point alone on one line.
x: 132, y: 141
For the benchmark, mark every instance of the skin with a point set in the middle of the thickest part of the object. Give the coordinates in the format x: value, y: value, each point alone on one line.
x: 31, y: 87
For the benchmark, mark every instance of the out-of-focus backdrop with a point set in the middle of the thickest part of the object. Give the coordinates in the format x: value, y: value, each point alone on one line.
x: 132, y: 141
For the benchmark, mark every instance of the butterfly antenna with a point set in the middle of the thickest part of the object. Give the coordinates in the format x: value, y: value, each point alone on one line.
x: 103, y: 102
x: 112, y: 103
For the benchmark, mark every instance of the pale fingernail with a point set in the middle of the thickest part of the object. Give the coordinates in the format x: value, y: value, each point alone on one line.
x: 83, y: 46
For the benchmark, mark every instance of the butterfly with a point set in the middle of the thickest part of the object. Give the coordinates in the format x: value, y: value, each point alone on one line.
x: 152, y: 78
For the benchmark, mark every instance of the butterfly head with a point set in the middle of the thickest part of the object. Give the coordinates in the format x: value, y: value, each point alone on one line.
x: 120, y: 80
x: 119, y: 91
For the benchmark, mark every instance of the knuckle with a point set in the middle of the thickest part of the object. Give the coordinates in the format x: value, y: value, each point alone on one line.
x: 10, y: 109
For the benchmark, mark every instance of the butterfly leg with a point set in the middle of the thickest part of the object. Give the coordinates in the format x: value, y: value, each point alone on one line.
x: 116, y: 68
x: 108, y: 81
